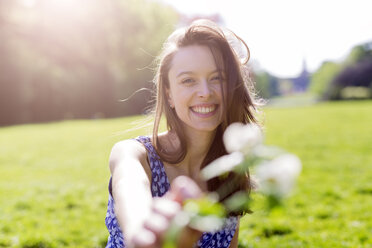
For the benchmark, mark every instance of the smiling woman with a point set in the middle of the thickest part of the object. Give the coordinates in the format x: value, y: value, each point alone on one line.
x: 202, y: 87
x: 195, y: 89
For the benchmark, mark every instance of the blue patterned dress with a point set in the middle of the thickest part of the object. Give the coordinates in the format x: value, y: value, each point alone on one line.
x: 159, y: 186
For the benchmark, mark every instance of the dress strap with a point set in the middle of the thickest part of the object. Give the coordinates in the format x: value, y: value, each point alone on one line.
x: 146, y: 141
x: 159, y: 183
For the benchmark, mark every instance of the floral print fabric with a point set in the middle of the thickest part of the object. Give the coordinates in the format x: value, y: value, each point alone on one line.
x: 159, y: 186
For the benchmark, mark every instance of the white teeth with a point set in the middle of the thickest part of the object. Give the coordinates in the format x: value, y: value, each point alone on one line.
x: 204, y: 110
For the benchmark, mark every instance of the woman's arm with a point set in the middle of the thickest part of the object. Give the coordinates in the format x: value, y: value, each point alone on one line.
x: 144, y: 219
x: 130, y: 186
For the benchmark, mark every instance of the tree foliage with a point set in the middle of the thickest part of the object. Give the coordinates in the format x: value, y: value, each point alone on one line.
x: 354, y: 74
x: 76, y: 59
x: 322, y: 78
x: 359, y: 53
x: 358, y: 75
x: 266, y: 85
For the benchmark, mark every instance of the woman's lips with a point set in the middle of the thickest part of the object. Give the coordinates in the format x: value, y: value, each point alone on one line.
x: 205, y: 110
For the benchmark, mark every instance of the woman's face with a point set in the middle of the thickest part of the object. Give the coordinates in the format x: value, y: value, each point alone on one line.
x: 195, y: 88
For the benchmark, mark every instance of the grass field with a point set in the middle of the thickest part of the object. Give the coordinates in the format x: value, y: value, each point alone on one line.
x: 53, y: 180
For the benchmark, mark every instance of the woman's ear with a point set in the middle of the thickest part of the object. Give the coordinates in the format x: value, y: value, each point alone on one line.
x: 169, y: 98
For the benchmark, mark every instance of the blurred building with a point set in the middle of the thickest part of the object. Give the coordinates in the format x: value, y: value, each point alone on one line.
x: 295, y: 84
x: 301, y: 83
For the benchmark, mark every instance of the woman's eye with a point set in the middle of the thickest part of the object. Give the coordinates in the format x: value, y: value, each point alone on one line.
x: 216, y: 79
x: 187, y: 80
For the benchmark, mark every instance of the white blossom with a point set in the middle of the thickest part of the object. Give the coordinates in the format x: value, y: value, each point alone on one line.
x: 277, y: 177
x: 242, y: 137
x: 222, y: 165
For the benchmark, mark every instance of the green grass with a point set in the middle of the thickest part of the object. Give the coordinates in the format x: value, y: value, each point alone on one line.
x: 295, y: 99
x: 330, y: 206
x: 53, y: 180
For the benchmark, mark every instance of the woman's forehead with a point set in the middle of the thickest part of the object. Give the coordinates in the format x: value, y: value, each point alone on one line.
x: 195, y: 58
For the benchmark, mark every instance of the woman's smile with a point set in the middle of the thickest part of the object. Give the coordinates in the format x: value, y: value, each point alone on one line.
x: 205, y: 110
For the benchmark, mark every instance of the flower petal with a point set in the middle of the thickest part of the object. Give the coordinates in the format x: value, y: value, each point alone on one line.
x: 222, y: 165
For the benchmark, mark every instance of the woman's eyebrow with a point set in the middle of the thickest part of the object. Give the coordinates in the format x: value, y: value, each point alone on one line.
x: 184, y: 72
x: 191, y: 72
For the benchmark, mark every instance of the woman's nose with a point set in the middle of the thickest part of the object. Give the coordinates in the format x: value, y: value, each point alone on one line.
x: 204, y: 89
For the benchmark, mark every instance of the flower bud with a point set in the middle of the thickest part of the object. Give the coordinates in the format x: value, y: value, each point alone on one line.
x: 277, y: 177
x: 242, y: 138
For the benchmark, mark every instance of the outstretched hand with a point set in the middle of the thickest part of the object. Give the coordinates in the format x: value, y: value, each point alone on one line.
x: 163, y: 211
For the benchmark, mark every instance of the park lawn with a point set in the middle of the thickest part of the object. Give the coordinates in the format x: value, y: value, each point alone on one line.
x: 330, y: 206
x: 53, y: 180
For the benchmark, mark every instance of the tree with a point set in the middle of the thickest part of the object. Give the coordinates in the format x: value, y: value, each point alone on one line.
x: 331, y: 78
x: 359, y: 53
x: 266, y: 84
x: 322, y: 78
x: 356, y: 75
x: 61, y: 61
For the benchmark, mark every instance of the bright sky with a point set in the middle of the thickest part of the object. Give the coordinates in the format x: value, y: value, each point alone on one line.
x: 282, y: 33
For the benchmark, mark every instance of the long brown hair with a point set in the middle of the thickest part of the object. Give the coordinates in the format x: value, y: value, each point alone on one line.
x: 239, y: 103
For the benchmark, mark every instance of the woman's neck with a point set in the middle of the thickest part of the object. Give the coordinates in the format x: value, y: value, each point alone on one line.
x: 198, y: 145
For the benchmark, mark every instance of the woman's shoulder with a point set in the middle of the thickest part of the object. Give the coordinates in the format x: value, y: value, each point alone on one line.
x: 129, y: 150
x: 128, y: 146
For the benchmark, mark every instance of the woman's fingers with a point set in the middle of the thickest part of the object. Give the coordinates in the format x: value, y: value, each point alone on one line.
x: 184, y: 188
x: 144, y: 239
x: 163, y: 211
x: 157, y: 224
x: 166, y: 207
